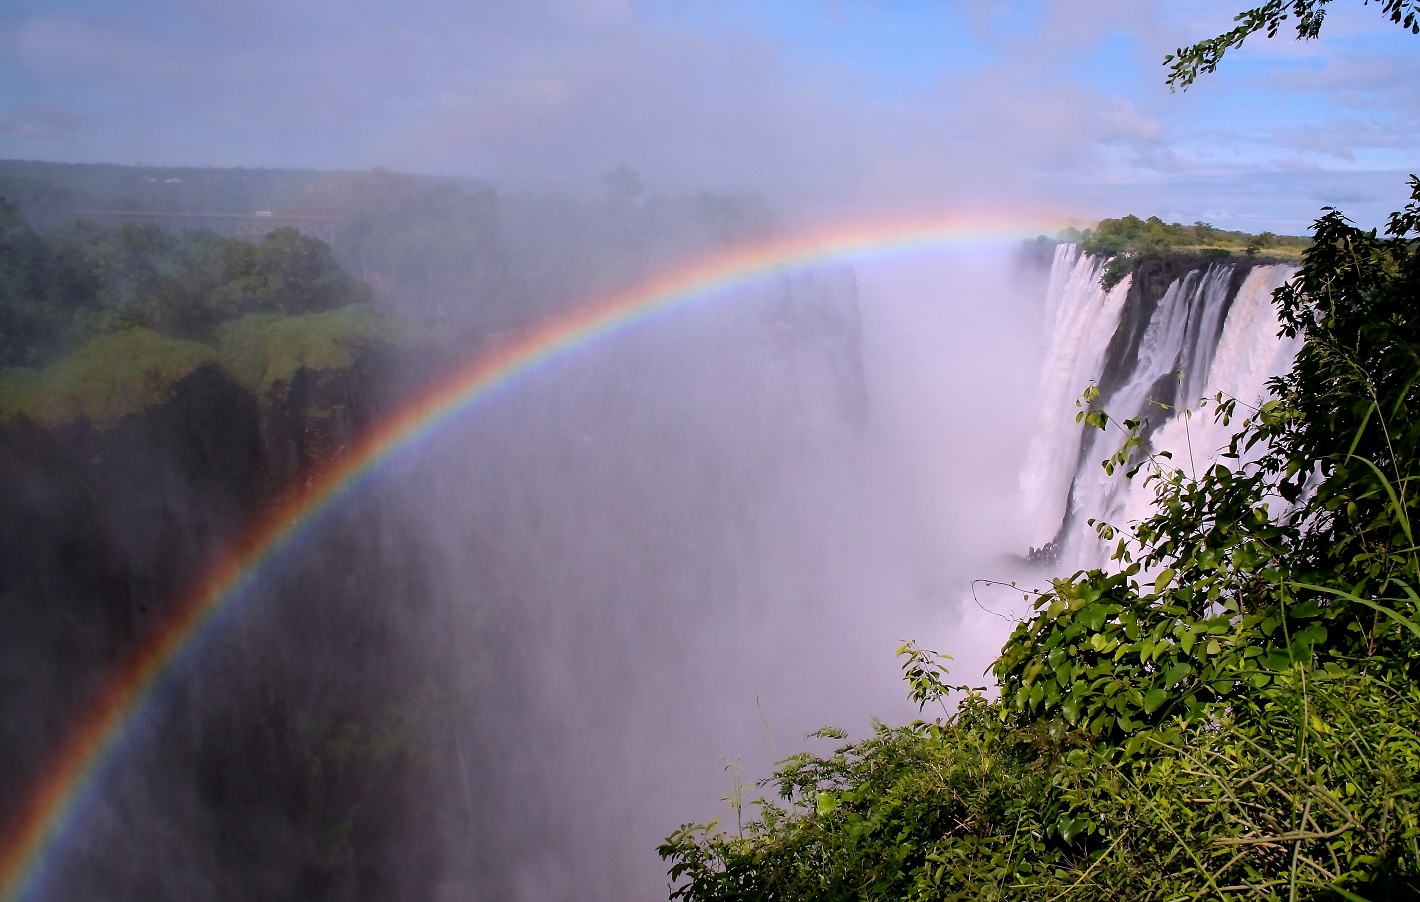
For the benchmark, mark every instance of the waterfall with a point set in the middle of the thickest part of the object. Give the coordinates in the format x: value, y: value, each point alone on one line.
x: 1176, y: 331
x: 1082, y: 318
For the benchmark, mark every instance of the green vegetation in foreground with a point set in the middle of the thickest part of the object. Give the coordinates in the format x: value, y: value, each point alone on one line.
x: 1233, y: 713
x: 1129, y: 238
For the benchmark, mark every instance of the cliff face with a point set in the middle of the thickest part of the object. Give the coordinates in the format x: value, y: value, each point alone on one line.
x: 128, y: 514
x: 377, y: 717
x: 102, y: 530
x: 311, y: 419
x: 1187, y: 328
x: 1150, y: 281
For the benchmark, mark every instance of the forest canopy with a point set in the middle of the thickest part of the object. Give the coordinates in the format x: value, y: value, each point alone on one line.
x: 99, y: 321
x: 80, y: 280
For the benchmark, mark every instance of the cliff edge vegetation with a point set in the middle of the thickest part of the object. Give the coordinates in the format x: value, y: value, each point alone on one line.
x: 1128, y: 239
x: 99, y: 322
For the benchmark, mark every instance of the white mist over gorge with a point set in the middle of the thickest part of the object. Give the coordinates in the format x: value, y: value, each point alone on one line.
x: 446, y: 447
x: 601, y: 599
x: 609, y: 596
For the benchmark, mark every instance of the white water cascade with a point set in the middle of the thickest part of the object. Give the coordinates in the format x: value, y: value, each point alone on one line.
x: 1158, y: 343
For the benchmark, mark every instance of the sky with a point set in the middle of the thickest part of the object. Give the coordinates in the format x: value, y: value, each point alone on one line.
x: 1056, y: 107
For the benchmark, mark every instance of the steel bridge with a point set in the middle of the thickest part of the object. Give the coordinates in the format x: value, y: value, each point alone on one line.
x: 241, y: 225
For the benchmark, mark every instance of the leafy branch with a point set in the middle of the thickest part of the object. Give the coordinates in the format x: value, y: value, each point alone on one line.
x: 1187, y: 63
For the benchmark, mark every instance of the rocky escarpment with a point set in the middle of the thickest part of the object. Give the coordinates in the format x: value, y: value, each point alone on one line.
x: 125, y: 513
x: 1184, y: 329
x: 1150, y: 280
x: 312, y: 418
x: 103, y: 530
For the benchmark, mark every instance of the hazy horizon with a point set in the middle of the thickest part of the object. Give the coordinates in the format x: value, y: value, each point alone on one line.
x: 829, y: 108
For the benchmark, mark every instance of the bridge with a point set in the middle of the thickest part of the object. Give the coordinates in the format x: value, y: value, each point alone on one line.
x: 240, y: 225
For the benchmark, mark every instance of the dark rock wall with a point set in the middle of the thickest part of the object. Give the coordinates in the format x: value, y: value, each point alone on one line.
x: 100, y: 533
x: 1152, y: 277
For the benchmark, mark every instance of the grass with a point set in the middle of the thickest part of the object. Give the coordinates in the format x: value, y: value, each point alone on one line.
x: 124, y: 372
x: 107, y: 378
x: 264, y: 349
x: 1290, y: 253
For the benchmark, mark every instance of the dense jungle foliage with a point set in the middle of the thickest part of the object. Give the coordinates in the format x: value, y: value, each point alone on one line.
x: 1231, y: 711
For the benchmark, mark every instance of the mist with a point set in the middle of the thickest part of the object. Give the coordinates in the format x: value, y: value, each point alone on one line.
x: 717, y: 543
x: 604, y: 600
x: 599, y: 604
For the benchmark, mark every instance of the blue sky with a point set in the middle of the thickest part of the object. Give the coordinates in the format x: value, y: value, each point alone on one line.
x: 826, y: 105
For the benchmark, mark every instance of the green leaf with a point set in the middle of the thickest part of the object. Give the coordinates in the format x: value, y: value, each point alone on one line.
x: 1177, y: 672
x: 1153, y: 699
x: 1162, y: 581
x: 1094, y: 616
x: 1351, y: 596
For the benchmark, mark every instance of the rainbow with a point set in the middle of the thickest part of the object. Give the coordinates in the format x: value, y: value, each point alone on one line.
x: 33, y: 836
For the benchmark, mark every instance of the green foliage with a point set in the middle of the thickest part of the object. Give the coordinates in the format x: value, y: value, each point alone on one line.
x: 289, y: 273
x: 1312, y: 795
x: 1187, y: 63
x: 23, y: 323
x: 1300, y: 554
x: 101, y: 322
x: 81, y: 280
x: 263, y: 349
x: 1127, y: 239
x: 110, y: 376
x: 1232, y: 710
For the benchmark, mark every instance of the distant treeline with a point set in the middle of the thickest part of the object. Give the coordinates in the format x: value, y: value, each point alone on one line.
x: 447, y: 253
x: 79, y: 280
x: 52, y: 193
x: 1128, y: 238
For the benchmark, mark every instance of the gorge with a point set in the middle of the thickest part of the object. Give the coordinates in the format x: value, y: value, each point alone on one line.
x: 509, y: 668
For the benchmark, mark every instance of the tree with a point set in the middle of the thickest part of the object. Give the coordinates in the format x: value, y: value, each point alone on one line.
x: 623, y: 185
x: 1187, y: 63
x: 1299, y: 554
x: 25, y: 322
